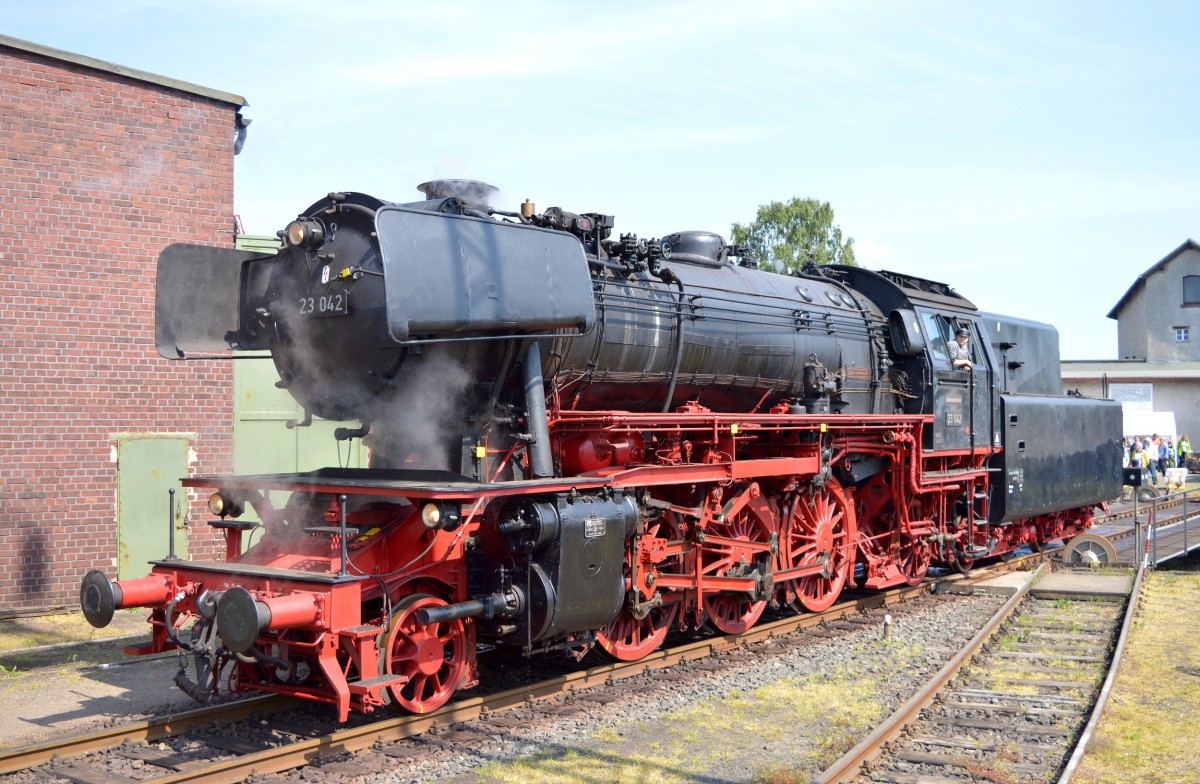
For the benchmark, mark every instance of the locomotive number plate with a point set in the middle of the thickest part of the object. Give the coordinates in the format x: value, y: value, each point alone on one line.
x: 336, y: 303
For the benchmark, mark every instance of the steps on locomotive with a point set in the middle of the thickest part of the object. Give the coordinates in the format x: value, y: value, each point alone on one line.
x: 374, y: 684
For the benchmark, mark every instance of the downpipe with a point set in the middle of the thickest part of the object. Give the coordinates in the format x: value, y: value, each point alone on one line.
x: 540, y: 463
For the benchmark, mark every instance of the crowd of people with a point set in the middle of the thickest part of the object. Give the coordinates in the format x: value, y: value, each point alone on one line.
x: 1154, y: 455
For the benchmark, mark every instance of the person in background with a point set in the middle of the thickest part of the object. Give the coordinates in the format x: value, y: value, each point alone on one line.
x: 1151, y: 450
x: 1185, y: 450
x: 1139, y: 459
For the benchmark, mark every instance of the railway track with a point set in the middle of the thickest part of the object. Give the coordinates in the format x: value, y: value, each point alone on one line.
x: 204, y: 749
x: 1010, y: 705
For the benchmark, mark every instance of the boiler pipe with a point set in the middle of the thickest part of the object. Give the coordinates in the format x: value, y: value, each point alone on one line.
x: 540, y: 464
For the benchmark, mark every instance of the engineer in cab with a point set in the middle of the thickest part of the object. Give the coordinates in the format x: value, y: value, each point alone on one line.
x: 960, y: 353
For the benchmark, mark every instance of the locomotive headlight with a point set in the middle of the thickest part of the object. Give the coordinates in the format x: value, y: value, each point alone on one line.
x: 305, y: 232
x: 222, y: 505
x: 441, y: 515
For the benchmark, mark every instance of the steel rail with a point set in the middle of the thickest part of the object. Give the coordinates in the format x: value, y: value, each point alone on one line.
x: 1101, y: 700
x: 850, y: 764
x: 282, y: 758
x: 23, y: 757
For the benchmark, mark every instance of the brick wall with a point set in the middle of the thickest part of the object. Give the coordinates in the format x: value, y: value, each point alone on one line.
x: 98, y: 173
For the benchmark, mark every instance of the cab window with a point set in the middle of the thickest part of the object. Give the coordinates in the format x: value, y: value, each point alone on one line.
x: 936, y: 335
x: 939, y: 333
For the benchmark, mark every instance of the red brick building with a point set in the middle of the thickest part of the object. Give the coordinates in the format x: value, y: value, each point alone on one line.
x: 102, y: 166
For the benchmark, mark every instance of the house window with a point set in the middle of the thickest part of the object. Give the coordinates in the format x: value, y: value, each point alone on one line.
x: 1182, y: 334
x: 1191, y: 289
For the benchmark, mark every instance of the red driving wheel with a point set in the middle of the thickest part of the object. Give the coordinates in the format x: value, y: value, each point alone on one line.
x: 728, y: 612
x: 819, y: 532
x: 627, y: 638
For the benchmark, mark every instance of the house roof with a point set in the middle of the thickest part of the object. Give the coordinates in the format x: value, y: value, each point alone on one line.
x: 120, y: 70
x: 1129, y: 370
x: 1141, y: 279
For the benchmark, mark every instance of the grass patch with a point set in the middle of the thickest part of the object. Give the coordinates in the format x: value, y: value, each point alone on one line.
x: 1148, y: 731
x: 830, y: 711
x: 34, y: 632
x: 72, y: 641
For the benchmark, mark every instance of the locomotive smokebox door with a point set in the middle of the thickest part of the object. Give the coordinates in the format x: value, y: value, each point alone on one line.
x: 198, y: 302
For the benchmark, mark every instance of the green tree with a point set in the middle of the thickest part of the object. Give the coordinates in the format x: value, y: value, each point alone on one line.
x: 786, y: 235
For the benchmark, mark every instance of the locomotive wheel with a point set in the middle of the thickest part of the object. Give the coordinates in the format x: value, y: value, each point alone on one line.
x: 819, y: 528
x: 914, y: 559
x: 1089, y: 549
x: 628, y: 639
x: 434, y: 657
x: 730, y: 612
x: 960, y: 562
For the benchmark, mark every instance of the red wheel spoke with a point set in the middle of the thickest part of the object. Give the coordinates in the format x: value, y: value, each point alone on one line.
x: 746, y: 531
x: 819, y: 528
x: 433, y: 658
x: 627, y: 638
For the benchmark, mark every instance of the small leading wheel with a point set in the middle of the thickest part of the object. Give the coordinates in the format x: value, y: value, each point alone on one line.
x: 626, y: 638
x: 732, y: 613
x: 1089, y: 550
x: 960, y: 561
x: 913, y: 558
x: 433, y: 657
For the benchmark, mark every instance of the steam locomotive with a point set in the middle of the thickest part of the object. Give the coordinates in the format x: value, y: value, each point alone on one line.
x: 581, y: 443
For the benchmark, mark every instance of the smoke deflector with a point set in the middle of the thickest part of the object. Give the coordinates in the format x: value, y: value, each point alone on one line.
x: 446, y: 275
x: 199, y: 295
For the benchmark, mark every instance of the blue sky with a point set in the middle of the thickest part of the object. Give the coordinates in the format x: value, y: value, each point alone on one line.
x: 1037, y: 156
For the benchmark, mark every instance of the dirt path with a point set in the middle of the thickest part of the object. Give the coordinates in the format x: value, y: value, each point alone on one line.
x: 59, y: 676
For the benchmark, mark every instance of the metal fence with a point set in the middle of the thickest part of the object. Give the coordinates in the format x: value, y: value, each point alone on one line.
x: 1158, y: 540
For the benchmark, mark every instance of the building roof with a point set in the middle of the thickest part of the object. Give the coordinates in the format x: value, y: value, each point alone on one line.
x: 1188, y: 243
x: 120, y: 70
x: 1129, y: 369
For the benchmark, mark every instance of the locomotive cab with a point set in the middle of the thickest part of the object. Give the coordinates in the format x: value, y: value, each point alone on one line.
x: 962, y: 400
